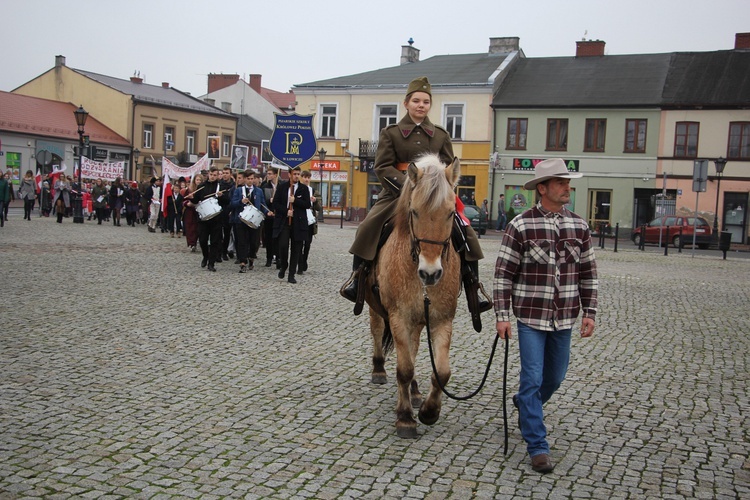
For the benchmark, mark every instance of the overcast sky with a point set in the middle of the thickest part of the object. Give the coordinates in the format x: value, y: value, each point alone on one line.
x: 297, y: 41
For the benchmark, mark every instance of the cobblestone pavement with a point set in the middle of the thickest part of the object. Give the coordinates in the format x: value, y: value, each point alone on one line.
x: 128, y: 371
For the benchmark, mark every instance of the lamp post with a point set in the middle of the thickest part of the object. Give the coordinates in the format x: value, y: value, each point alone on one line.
x: 720, y: 163
x: 322, y: 157
x: 81, y: 117
x: 136, y: 155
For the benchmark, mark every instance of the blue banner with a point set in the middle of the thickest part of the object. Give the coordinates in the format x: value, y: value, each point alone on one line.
x: 293, y: 139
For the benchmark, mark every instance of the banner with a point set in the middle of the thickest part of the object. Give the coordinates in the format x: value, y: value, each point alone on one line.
x: 293, y: 140
x: 91, y: 169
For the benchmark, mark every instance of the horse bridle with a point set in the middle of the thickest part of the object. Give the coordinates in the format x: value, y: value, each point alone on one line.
x: 416, y: 249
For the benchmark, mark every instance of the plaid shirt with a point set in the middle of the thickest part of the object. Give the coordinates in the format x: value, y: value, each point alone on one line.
x: 546, y: 263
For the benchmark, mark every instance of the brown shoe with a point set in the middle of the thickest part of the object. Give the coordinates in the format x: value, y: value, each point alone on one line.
x: 542, y: 463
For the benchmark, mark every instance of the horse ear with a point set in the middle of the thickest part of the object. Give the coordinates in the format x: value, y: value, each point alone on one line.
x: 453, y: 172
x: 413, y: 173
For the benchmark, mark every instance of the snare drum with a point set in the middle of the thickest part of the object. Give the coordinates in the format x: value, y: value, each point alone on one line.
x: 208, y: 208
x: 251, y: 216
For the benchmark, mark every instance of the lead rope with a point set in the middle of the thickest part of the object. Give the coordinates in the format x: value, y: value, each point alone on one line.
x: 486, y: 371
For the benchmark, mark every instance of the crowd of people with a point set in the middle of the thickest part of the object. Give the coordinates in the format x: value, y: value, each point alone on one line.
x: 227, y: 215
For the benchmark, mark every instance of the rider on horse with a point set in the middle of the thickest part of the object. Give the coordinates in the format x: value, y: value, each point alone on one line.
x: 400, y: 144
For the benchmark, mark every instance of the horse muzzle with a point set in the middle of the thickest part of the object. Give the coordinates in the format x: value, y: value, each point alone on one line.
x: 429, y: 274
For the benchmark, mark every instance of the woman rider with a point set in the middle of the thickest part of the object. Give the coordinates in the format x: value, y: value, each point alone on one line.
x: 400, y: 144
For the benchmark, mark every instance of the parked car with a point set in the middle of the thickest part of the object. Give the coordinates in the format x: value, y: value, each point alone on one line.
x: 702, y: 231
x: 479, y: 218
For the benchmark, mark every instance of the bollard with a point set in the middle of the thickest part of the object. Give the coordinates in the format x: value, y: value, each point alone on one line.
x: 666, y: 243
x: 725, y: 240
x: 617, y: 234
x: 679, y: 244
x: 341, y: 225
x: 643, y: 238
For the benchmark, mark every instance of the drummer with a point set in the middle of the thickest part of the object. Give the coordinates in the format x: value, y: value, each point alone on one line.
x: 245, y: 194
x: 209, y: 230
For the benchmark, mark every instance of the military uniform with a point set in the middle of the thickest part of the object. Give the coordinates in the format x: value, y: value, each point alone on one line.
x: 399, y: 145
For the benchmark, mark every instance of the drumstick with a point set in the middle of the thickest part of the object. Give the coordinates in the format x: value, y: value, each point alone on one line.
x: 190, y: 195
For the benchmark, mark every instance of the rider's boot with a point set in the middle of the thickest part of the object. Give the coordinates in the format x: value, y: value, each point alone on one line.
x: 477, y: 298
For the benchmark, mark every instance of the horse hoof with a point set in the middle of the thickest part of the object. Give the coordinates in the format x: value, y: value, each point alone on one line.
x: 416, y: 401
x: 379, y: 378
x: 407, y: 432
x: 428, y: 418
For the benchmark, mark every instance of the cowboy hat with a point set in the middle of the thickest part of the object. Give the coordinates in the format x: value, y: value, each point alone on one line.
x: 548, y: 169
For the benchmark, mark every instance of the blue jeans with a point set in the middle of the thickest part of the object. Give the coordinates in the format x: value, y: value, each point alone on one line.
x: 501, y: 221
x: 544, y: 363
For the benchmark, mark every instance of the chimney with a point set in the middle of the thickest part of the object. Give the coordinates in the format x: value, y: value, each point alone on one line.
x: 165, y: 85
x: 218, y: 82
x: 741, y: 41
x: 504, y: 45
x: 589, y: 48
x: 409, y: 53
x: 255, y: 82
x: 136, y: 79
x: 59, y: 61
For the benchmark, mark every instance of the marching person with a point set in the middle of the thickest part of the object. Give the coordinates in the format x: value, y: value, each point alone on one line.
x: 227, y: 185
x: 209, y: 230
x: 132, y: 203
x: 62, y: 197
x: 290, y: 203
x: 153, y: 196
x: 27, y: 193
x: 189, y: 215
x: 6, y: 190
x: 312, y: 229
x: 246, y: 193
x: 9, y: 180
x: 546, y: 270
x: 116, y: 200
x: 269, y: 188
x: 400, y: 144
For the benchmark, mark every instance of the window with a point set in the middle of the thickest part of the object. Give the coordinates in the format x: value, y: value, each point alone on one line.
x: 328, y: 120
x: 517, y: 133
x: 148, y: 136
x: 225, y: 141
x: 387, y: 115
x: 596, y: 129
x: 635, y: 136
x: 739, y: 140
x: 557, y: 134
x: 454, y: 120
x: 686, y: 140
x: 190, y: 141
x: 169, y: 138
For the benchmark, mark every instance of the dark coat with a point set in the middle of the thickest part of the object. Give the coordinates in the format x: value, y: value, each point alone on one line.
x: 299, y: 206
x: 402, y: 143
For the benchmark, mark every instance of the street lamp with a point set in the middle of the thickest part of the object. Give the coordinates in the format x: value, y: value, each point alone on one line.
x: 136, y: 155
x: 81, y: 117
x: 322, y: 157
x: 720, y: 163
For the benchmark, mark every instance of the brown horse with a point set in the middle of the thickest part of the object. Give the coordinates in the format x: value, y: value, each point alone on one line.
x: 417, y: 259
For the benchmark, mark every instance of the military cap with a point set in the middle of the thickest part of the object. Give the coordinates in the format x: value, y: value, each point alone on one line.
x: 419, y: 85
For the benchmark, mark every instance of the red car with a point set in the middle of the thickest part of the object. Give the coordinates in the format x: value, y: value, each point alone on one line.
x: 702, y: 231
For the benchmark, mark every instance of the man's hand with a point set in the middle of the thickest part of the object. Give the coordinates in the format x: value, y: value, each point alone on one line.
x: 503, y: 329
x: 587, y: 327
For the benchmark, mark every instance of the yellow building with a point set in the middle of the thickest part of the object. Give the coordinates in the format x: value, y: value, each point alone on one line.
x: 351, y: 110
x: 158, y: 120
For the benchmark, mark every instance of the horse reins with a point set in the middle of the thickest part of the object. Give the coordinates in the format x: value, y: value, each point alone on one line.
x: 486, y: 371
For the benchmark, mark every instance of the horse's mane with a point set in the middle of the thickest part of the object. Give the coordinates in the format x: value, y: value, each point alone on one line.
x: 432, y: 189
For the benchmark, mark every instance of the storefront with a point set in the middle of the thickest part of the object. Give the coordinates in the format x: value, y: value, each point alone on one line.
x: 334, y: 186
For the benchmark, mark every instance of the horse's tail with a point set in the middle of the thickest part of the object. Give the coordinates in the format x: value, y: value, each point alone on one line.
x: 387, y: 338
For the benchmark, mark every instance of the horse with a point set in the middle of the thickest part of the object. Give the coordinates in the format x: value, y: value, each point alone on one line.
x: 416, y: 259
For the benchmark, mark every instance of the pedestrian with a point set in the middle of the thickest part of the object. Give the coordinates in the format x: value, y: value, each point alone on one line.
x: 246, y: 193
x: 27, y: 193
x: 5, y: 191
x: 9, y: 179
x: 99, y: 196
x: 290, y: 203
x: 45, y: 197
x: 502, y: 216
x: 116, y: 200
x: 227, y: 185
x: 400, y: 144
x: 209, y: 229
x: 546, y: 270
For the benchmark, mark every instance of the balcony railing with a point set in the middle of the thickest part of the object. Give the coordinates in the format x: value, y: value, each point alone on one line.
x: 367, y: 149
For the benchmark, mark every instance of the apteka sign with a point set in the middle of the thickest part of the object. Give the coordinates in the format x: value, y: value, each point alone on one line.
x: 293, y: 139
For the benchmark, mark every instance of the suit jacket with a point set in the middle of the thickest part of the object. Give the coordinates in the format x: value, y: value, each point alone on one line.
x: 299, y: 206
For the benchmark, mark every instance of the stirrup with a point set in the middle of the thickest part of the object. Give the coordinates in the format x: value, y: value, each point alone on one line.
x: 486, y: 304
